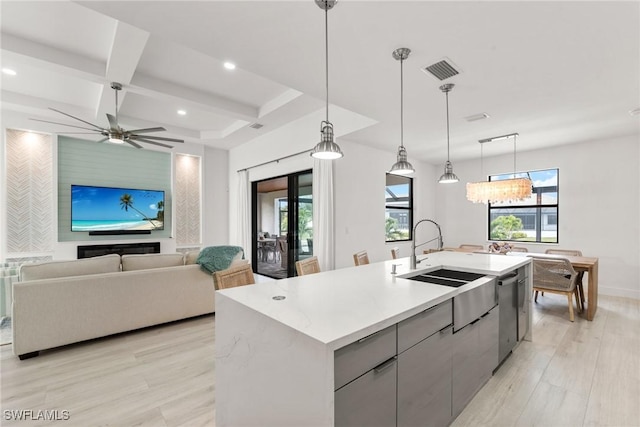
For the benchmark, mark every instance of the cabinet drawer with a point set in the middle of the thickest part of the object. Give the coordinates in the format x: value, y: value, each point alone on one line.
x: 370, y: 400
x: 416, y: 328
x: 363, y: 355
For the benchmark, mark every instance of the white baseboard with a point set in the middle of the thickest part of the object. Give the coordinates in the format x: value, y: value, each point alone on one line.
x: 619, y: 292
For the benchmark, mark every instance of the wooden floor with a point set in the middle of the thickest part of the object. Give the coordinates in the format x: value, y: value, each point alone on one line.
x: 573, y: 374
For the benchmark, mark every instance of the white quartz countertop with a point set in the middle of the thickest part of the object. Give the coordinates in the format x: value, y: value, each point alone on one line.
x: 340, y: 306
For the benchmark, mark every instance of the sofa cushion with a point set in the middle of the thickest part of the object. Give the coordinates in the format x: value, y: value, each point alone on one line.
x: 191, y: 257
x: 79, y: 267
x: 147, y: 261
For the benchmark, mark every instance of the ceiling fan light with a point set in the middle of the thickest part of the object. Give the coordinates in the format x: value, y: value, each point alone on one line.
x: 448, y: 177
x: 115, y: 138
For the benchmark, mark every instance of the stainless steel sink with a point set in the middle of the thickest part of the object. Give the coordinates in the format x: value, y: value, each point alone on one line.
x: 447, y: 277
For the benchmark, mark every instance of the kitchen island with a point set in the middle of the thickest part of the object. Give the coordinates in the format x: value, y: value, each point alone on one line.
x: 278, y: 344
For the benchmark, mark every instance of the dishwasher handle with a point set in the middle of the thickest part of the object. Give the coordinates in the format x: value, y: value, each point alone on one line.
x: 508, y: 280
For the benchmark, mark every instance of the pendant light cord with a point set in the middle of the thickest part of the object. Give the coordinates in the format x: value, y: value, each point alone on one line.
x: 326, y: 51
x: 117, y: 121
x: 447, y: 97
x: 514, y: 155
x: 401, y: 105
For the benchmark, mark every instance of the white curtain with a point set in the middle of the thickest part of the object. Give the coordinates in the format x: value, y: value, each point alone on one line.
x: 323, y: 225
x: 243, y: 233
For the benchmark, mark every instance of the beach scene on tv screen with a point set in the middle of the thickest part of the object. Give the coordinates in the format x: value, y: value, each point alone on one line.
x: 106, y: 209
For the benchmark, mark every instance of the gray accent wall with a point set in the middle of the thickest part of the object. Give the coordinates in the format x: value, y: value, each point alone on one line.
x: 84, y: 162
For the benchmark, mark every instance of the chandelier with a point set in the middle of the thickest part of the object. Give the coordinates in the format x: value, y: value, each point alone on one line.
x: 505, y: 190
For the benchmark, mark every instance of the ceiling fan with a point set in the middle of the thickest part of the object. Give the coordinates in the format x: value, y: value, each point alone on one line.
x: 116, y: 134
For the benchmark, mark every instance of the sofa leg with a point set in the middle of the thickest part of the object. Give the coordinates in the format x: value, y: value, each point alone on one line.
x: 29, y: 355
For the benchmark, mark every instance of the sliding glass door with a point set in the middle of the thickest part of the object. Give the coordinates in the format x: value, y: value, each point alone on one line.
x: 282, y: 223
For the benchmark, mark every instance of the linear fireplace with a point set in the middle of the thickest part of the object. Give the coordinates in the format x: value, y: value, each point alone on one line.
x: 89, y: 251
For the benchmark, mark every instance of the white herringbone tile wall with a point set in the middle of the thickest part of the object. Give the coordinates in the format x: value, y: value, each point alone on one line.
x: 187, y: 196
x: 30, y: 191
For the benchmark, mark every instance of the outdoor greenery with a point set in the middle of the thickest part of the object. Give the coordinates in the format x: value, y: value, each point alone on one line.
x: 392, y: 232
x: 507, y: 227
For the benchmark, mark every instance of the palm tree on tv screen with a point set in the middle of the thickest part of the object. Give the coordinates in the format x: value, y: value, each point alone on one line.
x: 126, y: 202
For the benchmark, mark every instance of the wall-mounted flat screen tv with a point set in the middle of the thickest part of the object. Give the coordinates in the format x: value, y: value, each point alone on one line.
x: 116, y: 209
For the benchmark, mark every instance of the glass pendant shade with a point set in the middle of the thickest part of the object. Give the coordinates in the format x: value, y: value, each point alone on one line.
x: 326, y: 149
x: 402, y: 166
x: 448, y: 176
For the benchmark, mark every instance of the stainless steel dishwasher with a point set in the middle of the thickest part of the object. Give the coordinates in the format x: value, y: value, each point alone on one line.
x: 508, y: 313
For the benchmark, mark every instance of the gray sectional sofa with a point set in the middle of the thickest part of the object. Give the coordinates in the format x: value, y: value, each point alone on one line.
x: 62, y: 302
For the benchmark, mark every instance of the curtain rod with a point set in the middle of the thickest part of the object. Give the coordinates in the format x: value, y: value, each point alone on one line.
x: 276, y: 160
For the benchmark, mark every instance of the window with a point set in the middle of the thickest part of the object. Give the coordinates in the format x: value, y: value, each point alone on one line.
x: 532, y: 220
x: 398, y: 208
x: 283, y: 212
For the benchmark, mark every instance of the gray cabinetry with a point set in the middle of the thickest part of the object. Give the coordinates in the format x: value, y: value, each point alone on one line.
x: 370, y: 400
x: 424, y: 382
x: 365, y: 375
x: 475, y: 356
x: 398, y: 376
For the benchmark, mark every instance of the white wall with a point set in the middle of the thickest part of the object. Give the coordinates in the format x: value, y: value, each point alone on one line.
x: 360, y: 202
x: 599, y: 212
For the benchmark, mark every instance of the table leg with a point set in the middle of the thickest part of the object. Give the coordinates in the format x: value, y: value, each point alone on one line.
x: 592, y: 295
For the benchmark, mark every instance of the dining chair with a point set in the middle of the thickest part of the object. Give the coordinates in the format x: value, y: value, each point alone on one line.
x: 283, y: 250
x: 395, y: 252
x: 308, y: 266
x: 572, y: 252
x: 235, y: 276
x: 470, y: 248
x: 519, y: 249
x: 361, y: 258
x: 556, y: 275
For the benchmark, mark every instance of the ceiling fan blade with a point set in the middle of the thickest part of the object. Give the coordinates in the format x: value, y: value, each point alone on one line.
x: 159, y: 138
x: 148, y: 141
x: 130, y: 142
x: 103, y: 140
x: 63, y: 124
x: 158, y: 129
x: 112, y: 122
x: 74, y: 117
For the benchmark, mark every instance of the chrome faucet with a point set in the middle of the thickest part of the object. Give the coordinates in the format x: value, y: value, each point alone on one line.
x: 414, y: 261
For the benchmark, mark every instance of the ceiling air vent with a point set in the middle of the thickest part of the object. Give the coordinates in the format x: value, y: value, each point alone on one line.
x: 255, y: 125
x: 442, y: 70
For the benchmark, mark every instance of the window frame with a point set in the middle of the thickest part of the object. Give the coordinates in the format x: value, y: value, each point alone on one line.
x: 539, y: 207
x: 408, y: 208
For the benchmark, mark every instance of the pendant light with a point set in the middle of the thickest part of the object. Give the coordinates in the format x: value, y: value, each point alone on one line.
x: 448, y: 177
x: 326, y: 148
x: 401, y: 166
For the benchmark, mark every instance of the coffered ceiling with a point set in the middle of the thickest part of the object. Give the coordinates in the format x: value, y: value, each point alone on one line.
x: 555, y: 72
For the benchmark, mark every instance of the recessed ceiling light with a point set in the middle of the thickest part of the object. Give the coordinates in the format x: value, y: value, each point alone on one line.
x: 634, y: 112
x: 9, y: 72
x: 229, y: 65
x: 182, y: 113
